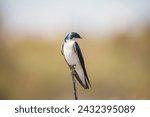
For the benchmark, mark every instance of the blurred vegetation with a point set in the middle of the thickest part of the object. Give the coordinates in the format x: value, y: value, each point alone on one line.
x: 118, y: 68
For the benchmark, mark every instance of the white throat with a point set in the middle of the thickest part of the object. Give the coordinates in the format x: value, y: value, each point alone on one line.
x: 70, y: 41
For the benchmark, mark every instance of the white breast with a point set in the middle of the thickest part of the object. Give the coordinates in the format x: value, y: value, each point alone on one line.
x: 69, y: 53
x: 73, y: 59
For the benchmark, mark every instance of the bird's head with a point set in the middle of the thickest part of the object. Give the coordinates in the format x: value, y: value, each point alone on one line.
x: 73, y: 36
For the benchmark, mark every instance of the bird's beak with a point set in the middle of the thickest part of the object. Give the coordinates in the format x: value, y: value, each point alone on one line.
x: 80, y: 37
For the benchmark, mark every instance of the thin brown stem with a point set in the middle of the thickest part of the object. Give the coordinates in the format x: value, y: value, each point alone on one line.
x: 74, y: 87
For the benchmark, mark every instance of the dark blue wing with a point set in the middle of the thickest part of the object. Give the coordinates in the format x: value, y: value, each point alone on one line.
x: 78, y: 51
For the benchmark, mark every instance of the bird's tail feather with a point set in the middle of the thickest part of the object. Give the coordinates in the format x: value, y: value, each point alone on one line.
x: 86, y: 85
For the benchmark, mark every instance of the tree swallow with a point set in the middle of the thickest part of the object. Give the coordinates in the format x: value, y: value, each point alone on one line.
x: 73, y: 56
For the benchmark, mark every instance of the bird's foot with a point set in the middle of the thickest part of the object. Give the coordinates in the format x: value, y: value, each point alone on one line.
x: 73, y: 73
x: 72, y: 67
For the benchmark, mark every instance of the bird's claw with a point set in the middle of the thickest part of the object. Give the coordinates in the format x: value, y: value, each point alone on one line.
x: 72, y: 67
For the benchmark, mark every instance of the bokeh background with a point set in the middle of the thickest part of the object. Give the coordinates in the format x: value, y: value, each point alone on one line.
x: 115, y: 46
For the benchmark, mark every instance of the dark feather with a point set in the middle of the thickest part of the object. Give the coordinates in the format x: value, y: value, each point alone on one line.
x: 78, y: 51
x: 62, y: 49
x: 74, y: 73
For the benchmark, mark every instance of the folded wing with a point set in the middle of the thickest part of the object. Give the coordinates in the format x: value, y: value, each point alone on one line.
x: 87, y: 82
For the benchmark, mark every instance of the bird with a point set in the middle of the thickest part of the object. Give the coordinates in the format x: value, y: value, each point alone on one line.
x: 73, y: 56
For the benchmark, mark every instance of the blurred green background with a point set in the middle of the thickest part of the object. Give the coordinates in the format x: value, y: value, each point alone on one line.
x: 117, y: 59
